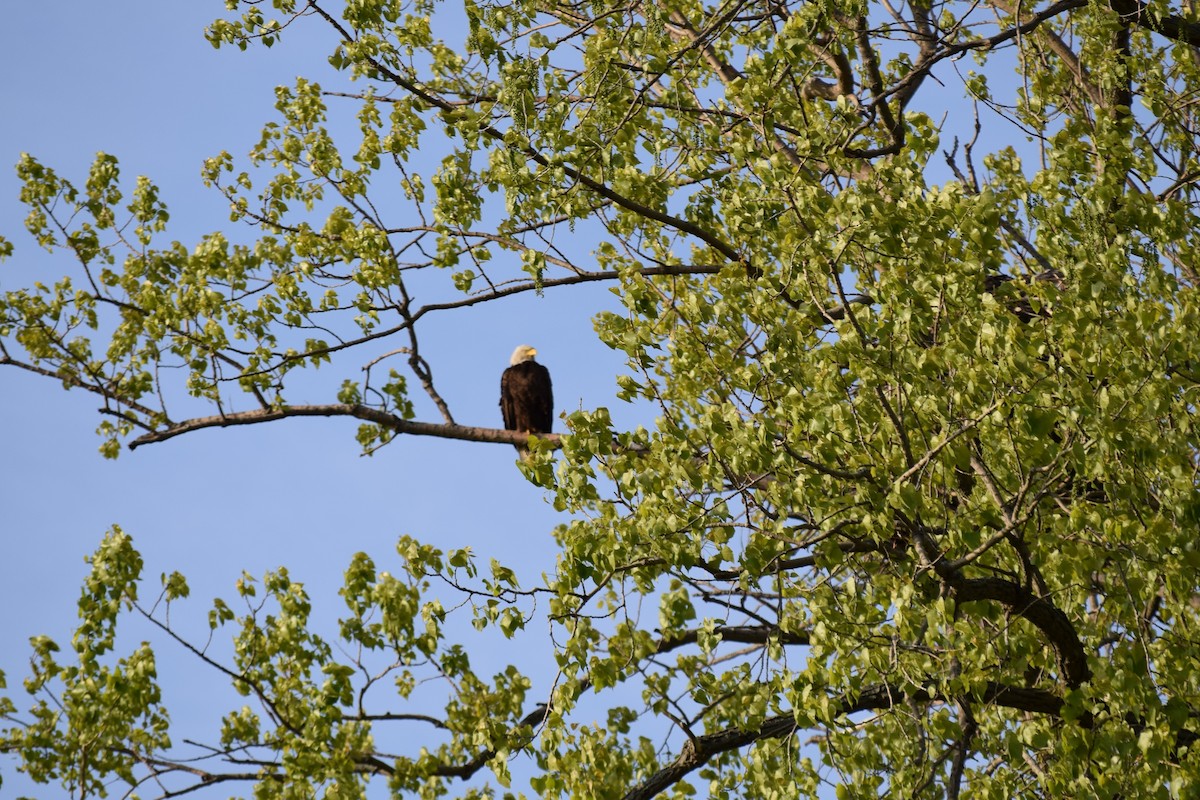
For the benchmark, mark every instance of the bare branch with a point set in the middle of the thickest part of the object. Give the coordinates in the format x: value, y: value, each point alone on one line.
x: 382, y: 418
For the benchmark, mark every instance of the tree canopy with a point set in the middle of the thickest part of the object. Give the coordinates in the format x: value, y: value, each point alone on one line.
x: 909, y: 287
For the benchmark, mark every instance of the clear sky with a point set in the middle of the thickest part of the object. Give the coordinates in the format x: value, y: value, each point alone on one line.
x: 135, y: 78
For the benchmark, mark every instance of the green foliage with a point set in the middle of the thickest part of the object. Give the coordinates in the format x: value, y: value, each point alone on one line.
x: 915, y: 515
x: 100, y: 716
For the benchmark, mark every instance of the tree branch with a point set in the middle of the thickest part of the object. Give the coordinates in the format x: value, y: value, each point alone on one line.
x: 502, y: 290
x: 75, y: 382
x: 1041, y: 612
x: 698, y: 750
x: 381, y: 418
x: 658, y: 215
x: 1172, y: 27
x: 744, y: 634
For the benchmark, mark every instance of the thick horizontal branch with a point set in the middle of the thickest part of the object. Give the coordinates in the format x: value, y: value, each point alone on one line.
x: 381, y: 418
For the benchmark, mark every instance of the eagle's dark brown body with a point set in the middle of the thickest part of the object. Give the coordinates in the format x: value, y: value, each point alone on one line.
x: 526, y: 396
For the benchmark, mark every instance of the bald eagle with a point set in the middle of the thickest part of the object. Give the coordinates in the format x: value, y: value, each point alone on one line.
x: 526, y: 398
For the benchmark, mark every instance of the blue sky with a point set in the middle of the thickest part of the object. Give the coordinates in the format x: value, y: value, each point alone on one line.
x: 135, y: 78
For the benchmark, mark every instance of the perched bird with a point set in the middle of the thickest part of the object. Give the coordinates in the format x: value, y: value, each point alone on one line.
x: 526, y: 397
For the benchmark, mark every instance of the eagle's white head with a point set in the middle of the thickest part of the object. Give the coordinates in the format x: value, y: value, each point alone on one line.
x: 522, y: 354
